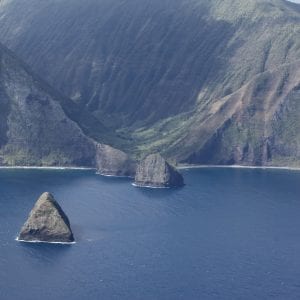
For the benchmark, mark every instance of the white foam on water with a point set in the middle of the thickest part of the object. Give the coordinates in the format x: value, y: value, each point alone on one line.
x: 44, y: 242
x: 149, y: 186
x: 45, y: 168
x: 187, y: 167
x: 113, y: 176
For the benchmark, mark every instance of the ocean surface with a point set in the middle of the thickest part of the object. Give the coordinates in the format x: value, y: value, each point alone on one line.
x: 228, y: 234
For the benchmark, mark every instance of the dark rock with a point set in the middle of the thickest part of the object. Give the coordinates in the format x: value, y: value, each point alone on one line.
x: 155, y: 171
x: 113, y: 162
x: 47, y: 223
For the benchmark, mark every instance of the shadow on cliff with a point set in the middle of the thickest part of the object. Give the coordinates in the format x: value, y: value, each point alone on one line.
x: 162, y: 52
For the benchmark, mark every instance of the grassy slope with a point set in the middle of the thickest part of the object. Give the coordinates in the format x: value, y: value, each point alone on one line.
x: 273, y: 39
x: 169, y: 75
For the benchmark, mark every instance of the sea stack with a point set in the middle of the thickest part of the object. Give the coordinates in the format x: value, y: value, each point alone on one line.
x: 155, y: 172
x: 47, y: 223
x: 114, y: 162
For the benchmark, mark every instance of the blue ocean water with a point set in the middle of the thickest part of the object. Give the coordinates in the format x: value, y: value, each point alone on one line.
x: 228, y: 234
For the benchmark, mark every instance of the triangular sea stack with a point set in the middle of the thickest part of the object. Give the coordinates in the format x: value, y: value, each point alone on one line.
x: 155, y: 171
x: 47, y: 223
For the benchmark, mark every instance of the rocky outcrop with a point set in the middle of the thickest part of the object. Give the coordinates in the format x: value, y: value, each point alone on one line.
x: 47, y: 223
x: 155, y: 171
x: 113, y: 162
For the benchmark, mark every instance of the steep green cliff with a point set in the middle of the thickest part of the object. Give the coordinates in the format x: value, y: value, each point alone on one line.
x: 35, y: 129
x: 203, y: 81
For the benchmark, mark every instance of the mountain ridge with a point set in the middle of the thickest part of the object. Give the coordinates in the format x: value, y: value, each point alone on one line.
x: 35, y: 130
x: 153, y: 73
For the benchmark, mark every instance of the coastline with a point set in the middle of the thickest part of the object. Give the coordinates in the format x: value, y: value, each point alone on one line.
x: 187, y: 167
x: 179, y: 167
x: 44, y: 168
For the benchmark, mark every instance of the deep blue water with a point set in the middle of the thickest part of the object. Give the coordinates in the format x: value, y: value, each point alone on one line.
x: 228, y: 234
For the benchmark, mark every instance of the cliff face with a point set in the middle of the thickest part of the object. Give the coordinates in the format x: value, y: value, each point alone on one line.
x: 122, y: 59
x: 154, y: 171
x: 36, y: 130
x: 257, y: 125
x: 201, y: 81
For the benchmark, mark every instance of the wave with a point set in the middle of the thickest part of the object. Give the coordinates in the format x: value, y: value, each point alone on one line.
x: 187, y: 167
x: 150, y: 187
x: 113, y: 176
x: 45, y: 168
x: 44, y: 242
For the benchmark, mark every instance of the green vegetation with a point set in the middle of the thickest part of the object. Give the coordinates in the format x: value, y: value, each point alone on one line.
x: 201, y: 81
